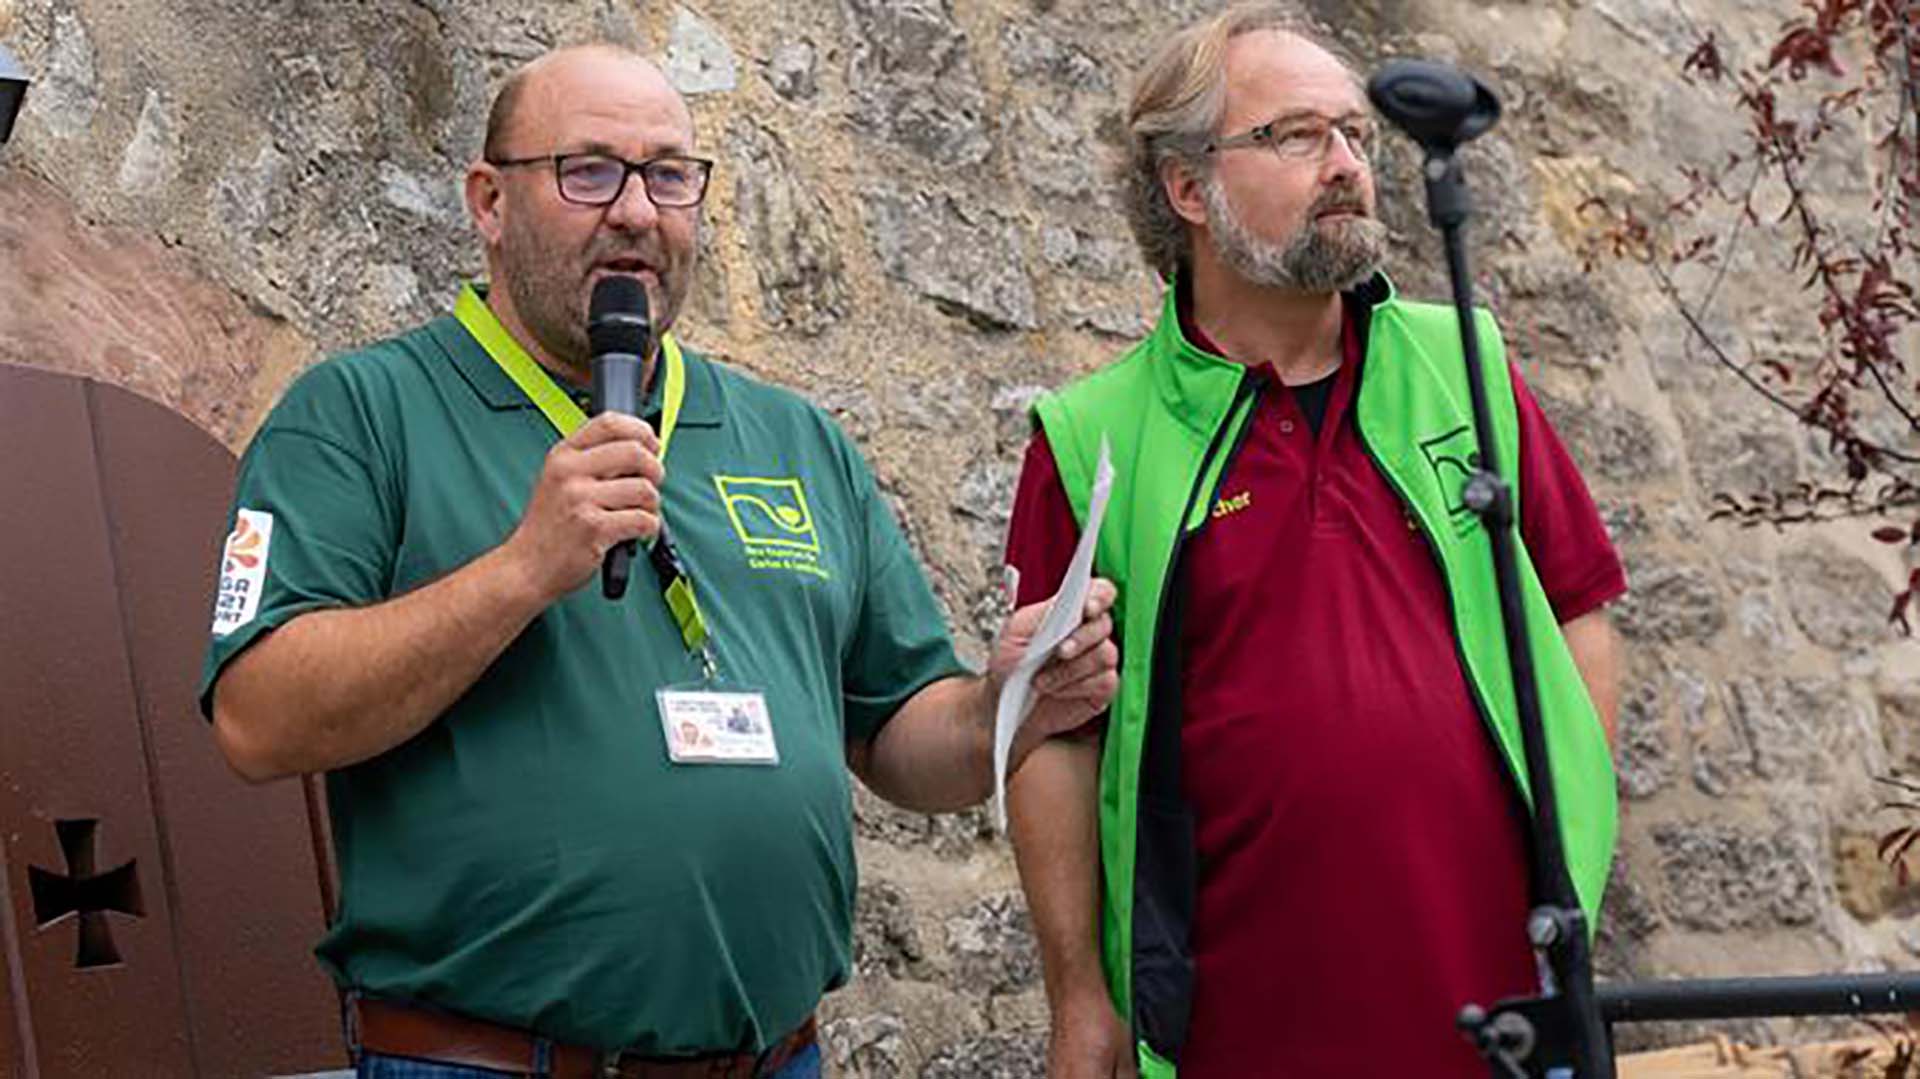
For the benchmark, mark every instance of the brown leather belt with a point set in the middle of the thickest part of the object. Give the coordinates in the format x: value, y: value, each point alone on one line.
x: 403, y: 1030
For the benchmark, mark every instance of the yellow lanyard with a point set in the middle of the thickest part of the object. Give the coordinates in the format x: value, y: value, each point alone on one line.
x: 676, y: 584
x: 546, y: 395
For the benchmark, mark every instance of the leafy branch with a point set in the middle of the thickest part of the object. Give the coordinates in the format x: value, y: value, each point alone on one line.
x: 1855, y: 388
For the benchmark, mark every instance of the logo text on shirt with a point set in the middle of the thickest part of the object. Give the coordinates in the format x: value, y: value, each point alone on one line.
x: 773, y: 522
x: 1229, y: 504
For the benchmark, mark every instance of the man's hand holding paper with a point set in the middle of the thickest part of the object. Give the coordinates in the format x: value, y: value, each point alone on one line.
x: 1076, y: 681
x: 1055, y: 665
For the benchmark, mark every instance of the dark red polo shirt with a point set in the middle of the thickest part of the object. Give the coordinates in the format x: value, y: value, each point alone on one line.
x: 1363, y: 867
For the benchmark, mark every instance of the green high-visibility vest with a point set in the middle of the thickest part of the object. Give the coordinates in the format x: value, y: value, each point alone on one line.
x: 1174, y: 416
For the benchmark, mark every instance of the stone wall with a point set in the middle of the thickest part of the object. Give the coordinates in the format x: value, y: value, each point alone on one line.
x: 911, y: 224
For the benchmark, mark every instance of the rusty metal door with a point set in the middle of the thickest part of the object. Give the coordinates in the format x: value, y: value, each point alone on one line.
x: 155, y: 912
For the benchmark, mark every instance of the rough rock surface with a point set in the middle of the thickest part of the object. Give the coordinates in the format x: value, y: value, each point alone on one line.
x: 911, y: 224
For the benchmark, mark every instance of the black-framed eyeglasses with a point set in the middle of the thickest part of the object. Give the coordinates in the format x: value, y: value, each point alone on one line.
x: 592, y: 179
x: 1304, y: 137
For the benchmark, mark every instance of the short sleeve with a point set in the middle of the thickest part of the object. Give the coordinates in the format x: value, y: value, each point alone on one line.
x: 1565, y: 538
x: 900, y: 642
x: 311, y: 525
x: 1043, y: 532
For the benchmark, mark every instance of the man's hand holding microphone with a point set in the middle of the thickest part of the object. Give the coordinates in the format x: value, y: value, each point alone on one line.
x: 599, y: 490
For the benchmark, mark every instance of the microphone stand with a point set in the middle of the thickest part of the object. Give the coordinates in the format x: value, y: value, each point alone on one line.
x: 1565, y: 1032
x: 1443, y: 108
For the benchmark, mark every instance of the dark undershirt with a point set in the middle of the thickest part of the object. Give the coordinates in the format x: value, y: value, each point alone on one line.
x: 1312, y: 399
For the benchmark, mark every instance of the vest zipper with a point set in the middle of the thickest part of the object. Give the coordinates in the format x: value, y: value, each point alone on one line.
x: 1164, y: 684
x: 1249, y: 388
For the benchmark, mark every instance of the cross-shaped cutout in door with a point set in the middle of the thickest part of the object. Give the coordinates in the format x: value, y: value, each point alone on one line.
x: 85, y: 893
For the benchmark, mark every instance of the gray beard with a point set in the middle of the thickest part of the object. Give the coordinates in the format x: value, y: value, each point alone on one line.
x: 1315, y: 259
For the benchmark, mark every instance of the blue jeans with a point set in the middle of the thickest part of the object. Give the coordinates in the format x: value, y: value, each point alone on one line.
x: 804, y: 1065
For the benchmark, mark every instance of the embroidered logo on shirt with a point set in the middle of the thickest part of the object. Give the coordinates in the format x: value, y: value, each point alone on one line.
x: 1454, y: 457
x: 773, y: 522
x: 1232, y: 504
x: 243, y: 571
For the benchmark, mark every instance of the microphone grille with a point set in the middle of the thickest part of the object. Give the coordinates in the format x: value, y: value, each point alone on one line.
x: 617, y: 317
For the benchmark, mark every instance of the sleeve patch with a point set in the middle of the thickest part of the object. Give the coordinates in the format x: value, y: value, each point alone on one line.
x: 243, y: 571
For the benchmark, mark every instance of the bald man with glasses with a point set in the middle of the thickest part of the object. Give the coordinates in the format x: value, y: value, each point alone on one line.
x: 579, y: 836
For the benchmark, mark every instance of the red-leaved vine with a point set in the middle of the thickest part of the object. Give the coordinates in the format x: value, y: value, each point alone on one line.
x: 1847, y: 68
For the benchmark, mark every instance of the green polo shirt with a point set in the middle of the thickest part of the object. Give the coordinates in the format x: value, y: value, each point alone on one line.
x: 533, y: 858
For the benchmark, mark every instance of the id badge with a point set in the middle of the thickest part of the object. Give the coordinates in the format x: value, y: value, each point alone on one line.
x: 707, y: 725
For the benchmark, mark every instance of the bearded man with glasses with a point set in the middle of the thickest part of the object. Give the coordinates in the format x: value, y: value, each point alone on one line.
x: 1299, y: 845
x: 576, y: 837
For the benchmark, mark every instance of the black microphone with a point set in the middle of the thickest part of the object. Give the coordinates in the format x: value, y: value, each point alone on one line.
x: 620, y: 332
x: 1442, y: 108
x: 1438, y: 104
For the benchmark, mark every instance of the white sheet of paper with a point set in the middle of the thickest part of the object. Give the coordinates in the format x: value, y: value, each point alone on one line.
x: 1061, y: 619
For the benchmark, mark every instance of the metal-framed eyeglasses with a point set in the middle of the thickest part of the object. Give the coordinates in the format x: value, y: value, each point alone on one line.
x: 672, y: 181
x: 1305, y: 136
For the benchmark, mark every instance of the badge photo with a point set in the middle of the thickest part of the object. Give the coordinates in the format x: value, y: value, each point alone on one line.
x: 706, y: 726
